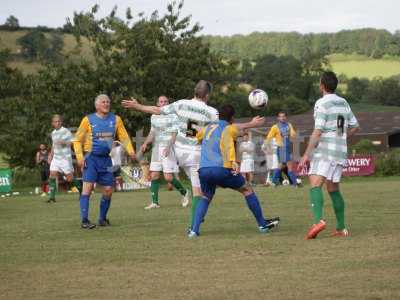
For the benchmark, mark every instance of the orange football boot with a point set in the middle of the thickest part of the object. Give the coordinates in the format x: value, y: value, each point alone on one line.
x: 315, y: 229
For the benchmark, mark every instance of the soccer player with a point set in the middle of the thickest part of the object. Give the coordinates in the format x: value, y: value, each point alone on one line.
x: 97, y: 133
x: 163, y: 135
x: 271, y: 159
x: 60, y: 157
x: 247, y: 149
x: 42, y: 160
x: 334, y: 122
x: 218, y: 167
x: 192, y: 115
x: 284, y: 135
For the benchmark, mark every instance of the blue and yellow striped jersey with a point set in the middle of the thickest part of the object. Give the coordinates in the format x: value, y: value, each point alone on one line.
x: 218, y: 144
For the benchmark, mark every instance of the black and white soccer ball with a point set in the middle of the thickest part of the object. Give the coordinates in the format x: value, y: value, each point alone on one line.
x: 258, y: 99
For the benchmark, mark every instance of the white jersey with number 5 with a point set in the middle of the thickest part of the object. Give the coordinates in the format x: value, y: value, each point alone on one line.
x: 192, y: 115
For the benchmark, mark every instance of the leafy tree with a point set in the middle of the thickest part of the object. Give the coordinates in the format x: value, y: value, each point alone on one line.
x: 357, y: 89
x: 12, y: 23
x: 142, y: 57
x: 33, y: 45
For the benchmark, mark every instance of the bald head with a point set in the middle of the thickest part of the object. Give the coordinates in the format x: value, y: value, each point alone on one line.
x: 203, y: 90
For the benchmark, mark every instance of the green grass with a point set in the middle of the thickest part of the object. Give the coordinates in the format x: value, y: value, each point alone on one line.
x: 146, y: 255
x: 364, y: 67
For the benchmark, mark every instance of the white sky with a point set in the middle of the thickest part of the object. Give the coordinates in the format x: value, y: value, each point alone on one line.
x: 227, y: 17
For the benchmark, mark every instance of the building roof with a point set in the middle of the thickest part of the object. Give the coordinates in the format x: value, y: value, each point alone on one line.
x: 370, y: 123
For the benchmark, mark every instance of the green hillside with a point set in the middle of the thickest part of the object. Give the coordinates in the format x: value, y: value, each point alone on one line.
x: 8, y: 40
x: 364, y: 67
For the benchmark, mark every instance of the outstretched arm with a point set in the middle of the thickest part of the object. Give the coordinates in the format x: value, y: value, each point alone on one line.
x: 255, y: 122
x: 135, y: 105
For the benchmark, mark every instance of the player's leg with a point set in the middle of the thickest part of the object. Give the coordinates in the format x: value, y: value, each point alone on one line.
x: 154, y: 189
x: 87, y: 189
x: 292, y: 176
x: 89, y: 177
x: 155, y: 168
x: 106, y: 179
x: 170, y: 167
x: 53, y: 184
x: 251, y: 178
x: 319, y: 170
x: 73, y: 182
x: 338, y: 204
x: 105, y: 203
x: 208, y: 187
x: 193, y: 175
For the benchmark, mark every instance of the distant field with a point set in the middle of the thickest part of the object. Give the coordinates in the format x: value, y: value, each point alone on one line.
x: 361, y: 107
x: 364, y: 67
x: 146, y: 254
x: 8, y: 39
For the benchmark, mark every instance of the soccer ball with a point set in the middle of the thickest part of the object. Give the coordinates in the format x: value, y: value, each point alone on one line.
x: 258, y: 99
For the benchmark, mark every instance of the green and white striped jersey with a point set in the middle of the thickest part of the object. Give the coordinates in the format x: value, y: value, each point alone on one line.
x: 163, y: 127
x: 61, y: 151
x: 192, y: 115
x: 333, y: 116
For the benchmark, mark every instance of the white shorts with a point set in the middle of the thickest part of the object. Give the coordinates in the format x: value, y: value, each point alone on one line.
x: 272, y: 161
x: 247, y: 166
x: 62, y: 166
x: 189, y: 161
x: 331, y: 170
x: 161, y: 163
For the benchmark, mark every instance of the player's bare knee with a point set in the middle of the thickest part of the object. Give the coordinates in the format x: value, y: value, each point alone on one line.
x: 155, y: 175
x: 332, y: 186
x: 246, y: 190
x: 107, y: 191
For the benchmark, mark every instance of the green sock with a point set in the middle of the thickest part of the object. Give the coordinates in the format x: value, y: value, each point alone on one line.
x: 317, y: 203
x: 338, y: 206
x: 155, y: 185
x: 178, y: 185
x: 195, y: 201
x: 77, y: 183
x: 52, y: 188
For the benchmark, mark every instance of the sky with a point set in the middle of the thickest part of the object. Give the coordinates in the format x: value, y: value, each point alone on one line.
x: 227, y: 17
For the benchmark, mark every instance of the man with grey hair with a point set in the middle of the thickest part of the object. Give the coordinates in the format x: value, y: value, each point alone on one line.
x: 96, y: 134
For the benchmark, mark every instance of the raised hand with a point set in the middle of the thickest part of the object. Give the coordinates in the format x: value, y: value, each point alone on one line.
x: 131, y: 103
x: 258, y: 121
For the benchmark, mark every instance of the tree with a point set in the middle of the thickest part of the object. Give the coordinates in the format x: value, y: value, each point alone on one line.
x: 142, y: 58
x: 34, y: 45
x: 356, y: 89
x: 12, y: 23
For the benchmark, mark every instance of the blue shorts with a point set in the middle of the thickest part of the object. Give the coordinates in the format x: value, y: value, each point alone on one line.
x: 211, y: 177
x: 98, y: 169
x: 284, y: 154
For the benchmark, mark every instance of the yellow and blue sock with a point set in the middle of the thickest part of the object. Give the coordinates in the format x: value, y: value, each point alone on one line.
x: 84, y: 206
x: 254, y: 206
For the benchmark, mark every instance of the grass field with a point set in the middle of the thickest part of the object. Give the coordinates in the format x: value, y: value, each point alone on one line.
x: 364, y: 67
x: 146, y: 255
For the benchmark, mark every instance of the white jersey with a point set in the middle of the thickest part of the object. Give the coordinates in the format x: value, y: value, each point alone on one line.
x: 163, y: 127
x: 248, y: 150
x: 192, y: 115
x: 61, y: 151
